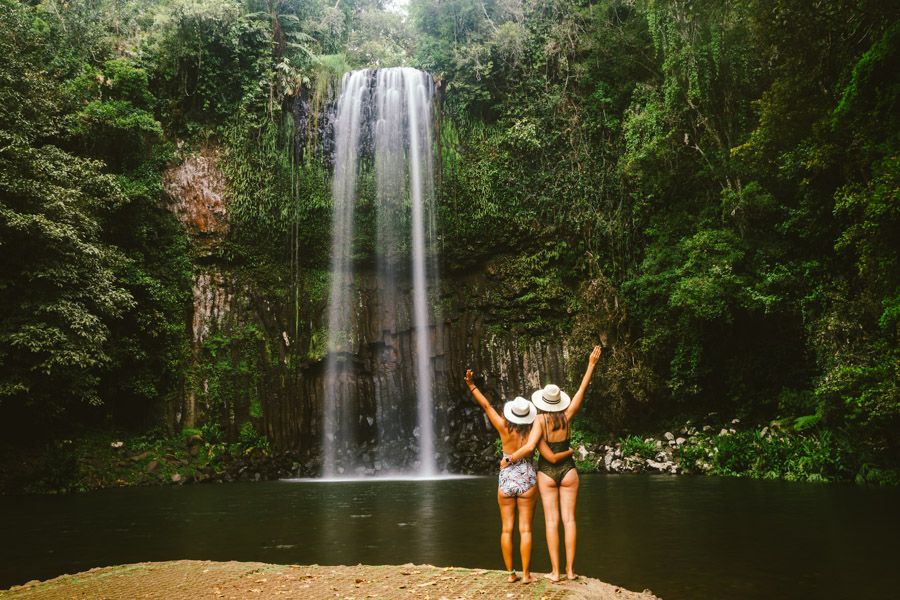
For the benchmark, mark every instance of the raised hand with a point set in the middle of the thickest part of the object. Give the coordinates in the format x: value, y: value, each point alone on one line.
x: 469, y: 375
x: 593, y: 359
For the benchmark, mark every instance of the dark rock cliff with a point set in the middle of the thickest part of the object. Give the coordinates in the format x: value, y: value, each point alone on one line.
x: 290, y: 387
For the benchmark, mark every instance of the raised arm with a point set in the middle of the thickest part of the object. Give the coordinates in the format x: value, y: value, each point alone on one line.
x: 551, y: 456
x: 495, y: 418
x: 579, y: 395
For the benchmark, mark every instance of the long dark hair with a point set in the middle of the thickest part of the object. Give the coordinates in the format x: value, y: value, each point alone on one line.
x: 556, y: 419
x: 520, y: 429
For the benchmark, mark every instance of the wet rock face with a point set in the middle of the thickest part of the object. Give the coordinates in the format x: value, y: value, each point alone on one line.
x: 212, y: 302
x: 196, y: 195
x: 379, y: 383
x: 314, y: 125
x: 380, y: 386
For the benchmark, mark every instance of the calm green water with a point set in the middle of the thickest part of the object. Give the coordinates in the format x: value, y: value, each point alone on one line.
x: 682, y: 537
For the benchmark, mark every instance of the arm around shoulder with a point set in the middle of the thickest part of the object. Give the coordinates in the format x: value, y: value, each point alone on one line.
x: 551, y: 456
x: 527, y: 449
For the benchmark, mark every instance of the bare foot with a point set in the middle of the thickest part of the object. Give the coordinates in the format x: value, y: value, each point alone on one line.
x: 571, y: 576
x: 554, y: 577
x: 527, y: 578
x: 512, y: 577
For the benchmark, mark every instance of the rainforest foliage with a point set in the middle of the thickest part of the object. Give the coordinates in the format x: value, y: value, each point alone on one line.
x: 709, y: 186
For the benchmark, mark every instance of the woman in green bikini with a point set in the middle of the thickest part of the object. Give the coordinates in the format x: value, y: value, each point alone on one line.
x: 558, y: 483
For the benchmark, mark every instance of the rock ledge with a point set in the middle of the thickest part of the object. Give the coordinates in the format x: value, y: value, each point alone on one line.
x: 194, y: 579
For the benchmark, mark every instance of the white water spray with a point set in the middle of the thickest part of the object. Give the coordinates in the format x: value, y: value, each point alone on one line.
x: 387, y: 113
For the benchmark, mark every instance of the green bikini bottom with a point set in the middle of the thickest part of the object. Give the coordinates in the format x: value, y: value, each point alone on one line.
x: 557, y: 471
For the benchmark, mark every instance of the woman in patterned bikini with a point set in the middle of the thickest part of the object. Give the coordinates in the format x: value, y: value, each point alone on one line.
x: 516, y: 487
x: 558, y: 482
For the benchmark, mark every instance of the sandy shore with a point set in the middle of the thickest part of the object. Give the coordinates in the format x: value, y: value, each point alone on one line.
x: 194, y: 579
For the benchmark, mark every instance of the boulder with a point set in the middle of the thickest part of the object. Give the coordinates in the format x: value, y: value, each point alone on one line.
x: 582, y: 452
x: 669, y: 436
x: 680, y: 441
x: 657, y: 466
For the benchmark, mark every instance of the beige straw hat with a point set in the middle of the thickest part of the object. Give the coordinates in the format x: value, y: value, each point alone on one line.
x: 520, y: 411
x: 551, y: 399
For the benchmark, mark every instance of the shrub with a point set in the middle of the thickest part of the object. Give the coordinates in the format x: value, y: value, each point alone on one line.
x: 635, y: 446
x: 692, y: 458
x: 250, y: 440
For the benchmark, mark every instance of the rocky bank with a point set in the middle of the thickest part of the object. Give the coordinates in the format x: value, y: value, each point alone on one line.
x: 193, y: 579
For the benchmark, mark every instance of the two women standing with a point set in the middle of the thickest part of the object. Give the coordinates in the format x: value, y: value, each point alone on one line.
x: 543, y: 424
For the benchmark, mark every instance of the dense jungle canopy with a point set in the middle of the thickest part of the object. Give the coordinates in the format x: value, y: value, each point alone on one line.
x: 710, y: 186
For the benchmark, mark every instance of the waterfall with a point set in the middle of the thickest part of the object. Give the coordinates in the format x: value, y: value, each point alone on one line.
x: 383, y: 118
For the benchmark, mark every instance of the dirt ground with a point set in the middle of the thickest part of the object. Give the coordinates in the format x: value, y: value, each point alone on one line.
x: 201, y: 580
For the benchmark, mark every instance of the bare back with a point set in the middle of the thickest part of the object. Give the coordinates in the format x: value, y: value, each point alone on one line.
x: 554, y: 435
x: 511, y: 439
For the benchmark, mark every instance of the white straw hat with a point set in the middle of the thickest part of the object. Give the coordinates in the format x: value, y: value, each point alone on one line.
x: 520, y: 411
x: 551, y: 398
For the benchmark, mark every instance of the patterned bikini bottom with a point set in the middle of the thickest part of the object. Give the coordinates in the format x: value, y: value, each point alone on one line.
x: 517, y: 478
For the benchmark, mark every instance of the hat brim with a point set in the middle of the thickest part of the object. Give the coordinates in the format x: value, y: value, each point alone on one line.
x: 537, y: 398
x: 518, y: 420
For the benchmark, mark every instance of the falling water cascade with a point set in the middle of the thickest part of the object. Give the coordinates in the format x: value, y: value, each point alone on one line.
x: 384, y: 115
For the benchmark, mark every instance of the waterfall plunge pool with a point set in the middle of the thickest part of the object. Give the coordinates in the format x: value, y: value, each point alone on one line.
x: 682, y: 537
x: 388, y: 477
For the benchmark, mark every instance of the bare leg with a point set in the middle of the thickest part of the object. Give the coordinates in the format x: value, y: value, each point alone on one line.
x: 568, y: 495
x: 507, y: 519
x: 526, y: 504
x: 550, y: 500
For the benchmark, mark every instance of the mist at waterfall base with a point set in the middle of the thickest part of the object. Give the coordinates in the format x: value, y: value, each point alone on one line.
x: 382, y: 123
